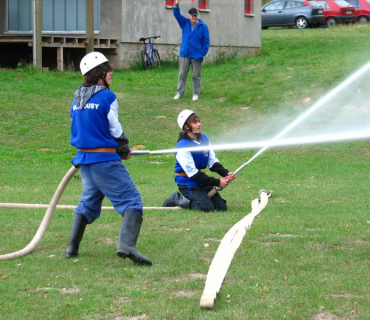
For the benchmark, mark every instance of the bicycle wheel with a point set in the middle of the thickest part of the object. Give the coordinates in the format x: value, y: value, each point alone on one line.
x: 156, y: 58
x: 144, y: 60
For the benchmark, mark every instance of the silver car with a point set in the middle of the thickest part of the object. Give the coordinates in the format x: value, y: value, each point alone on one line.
x: 289, y: 13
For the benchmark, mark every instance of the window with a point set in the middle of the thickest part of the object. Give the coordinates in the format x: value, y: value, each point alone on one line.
x: 203, y: 4
x: 57, y: 16
x: 354, y: 3
x: 248, y: 7
x: 342, y: 3
x: 170, y: 3
x: 324, y: 4
x: 294, y: 4
x: 278, y: 5
x: 311, y: 3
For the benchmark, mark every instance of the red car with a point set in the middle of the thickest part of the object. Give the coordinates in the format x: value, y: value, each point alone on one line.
x: 362, y: 10
x: 337, y: 12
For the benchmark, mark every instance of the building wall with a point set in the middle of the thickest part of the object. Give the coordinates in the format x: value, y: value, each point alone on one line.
x: 110, y: 19
x: 231, y: 31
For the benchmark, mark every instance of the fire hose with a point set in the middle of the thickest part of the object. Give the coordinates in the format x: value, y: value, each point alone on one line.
x: 55, y: 199
x: 45, y: 221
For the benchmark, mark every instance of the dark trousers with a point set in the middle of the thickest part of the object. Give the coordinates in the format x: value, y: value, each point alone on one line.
x: 200, y: 200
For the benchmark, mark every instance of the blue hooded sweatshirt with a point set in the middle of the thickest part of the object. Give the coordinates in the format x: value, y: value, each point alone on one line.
x: 195, y: 43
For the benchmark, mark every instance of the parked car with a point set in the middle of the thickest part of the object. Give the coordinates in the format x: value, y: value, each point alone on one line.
x: 337, y: 12
x: 362, y: 10
x: 288, y: 13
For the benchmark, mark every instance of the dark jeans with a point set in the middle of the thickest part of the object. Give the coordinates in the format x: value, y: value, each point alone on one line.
x: 199, y: 198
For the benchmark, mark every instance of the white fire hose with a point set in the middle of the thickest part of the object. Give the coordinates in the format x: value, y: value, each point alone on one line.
x: 45, y: 221
x: 49, y: 213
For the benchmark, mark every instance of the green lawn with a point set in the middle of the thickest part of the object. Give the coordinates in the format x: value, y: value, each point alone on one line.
x: 306, y: 256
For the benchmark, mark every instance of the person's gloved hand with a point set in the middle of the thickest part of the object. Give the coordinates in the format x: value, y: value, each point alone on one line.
x: 125, y: 156
x: 123, y: 148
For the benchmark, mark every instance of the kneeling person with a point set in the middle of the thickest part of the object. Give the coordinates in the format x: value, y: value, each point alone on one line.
x: 193, y: 183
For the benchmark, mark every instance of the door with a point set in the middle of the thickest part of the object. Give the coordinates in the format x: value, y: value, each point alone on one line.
x: 273, y: 14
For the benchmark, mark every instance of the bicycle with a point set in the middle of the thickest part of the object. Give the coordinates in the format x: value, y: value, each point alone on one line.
x: 149, y: 55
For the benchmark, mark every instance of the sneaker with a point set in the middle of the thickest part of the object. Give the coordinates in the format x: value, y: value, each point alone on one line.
x: 177, y: 96
x: 195, y: 97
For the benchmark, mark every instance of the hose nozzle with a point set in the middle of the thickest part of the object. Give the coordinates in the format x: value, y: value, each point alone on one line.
x: 139, y: 152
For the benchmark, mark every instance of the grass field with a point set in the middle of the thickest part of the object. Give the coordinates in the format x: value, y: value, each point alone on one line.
x: 306, y: 255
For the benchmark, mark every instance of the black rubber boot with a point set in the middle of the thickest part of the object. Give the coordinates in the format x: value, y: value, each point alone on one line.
x: 176, y: 199
x: 77, y: 232
x: 129, y: 232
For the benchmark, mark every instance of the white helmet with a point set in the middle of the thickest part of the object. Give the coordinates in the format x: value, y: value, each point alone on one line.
x: 91, y: 60
x: 183, y: 117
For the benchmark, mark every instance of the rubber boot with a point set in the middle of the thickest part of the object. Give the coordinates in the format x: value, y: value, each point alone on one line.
x: 77, y: 232
x: 129, y: 232
x: 176, y: 199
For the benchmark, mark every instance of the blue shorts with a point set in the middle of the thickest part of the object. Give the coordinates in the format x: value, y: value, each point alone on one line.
x: 107, y: 179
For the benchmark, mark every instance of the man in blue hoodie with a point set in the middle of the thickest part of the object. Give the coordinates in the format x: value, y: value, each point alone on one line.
x: 101, y: 143
x: 194, y: 46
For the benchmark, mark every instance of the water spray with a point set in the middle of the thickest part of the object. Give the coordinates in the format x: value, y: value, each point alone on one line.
x: 275, y: 141
x: 316, y: 139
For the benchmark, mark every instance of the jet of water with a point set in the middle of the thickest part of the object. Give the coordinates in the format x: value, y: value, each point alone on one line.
x: 306, y: 114
x: 313, y: 139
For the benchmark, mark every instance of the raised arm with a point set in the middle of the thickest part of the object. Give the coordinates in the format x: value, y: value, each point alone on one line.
x: 177, y: 14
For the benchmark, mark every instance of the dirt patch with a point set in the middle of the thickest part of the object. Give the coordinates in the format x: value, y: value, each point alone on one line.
x: 123, y: 299
x: 340, y: 247
x: 117, y: 316
x: 330, y: 316
x: 307, y: 100
x: 208, y: 259
x: 106, y: 240
x: 70, y: 290
x: 212, y: 239
x: 155, y: 162
x: 171, y: 228
x: 221, y: 99
x: 269, y: 243
x: 138, y: 147
x: 341, y: 295
x: 198, y: 276
x: 63, y: 290
x: 47, y: 149
x: 359, y: 241
x: 284, y: 235
x: 185, y: 293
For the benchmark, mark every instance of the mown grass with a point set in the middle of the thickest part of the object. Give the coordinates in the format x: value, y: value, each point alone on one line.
x: 305, y: 256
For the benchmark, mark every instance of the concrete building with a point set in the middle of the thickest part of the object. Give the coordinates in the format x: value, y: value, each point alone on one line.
x: 234, y: 26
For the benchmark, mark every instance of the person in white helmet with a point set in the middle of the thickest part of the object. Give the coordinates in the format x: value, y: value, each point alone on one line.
x: 193, y: 183
x: 98, y: 135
